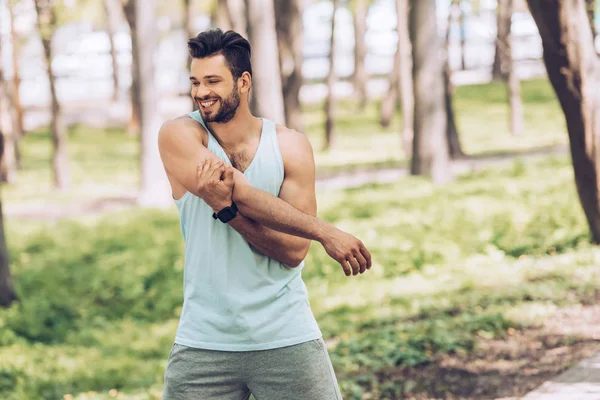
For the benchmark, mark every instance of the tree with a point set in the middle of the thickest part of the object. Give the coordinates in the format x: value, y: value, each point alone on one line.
x: 154, y: 187
x: 330, y: 99
x: 111, y: 13
x: 504, y: 19
x: 7, y: 291
x: 19, y: 127
x: 8, y: 164
x: 290, y: 42
x: 134, y: 125
x: 360, y: 77
x: 513, y: 83
x: 46, y: 23
x: 430, y: 146
x: 267, y: 99
x: 591, y: 11
x: 401, y: 83
x: 574, y: 71
x: 454, y: 145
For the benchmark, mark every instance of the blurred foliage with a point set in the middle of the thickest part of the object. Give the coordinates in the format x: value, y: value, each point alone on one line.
x: 471, y: 260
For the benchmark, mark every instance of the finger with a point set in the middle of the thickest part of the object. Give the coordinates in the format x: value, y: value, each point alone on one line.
x: 216, y: 170
x: 361, y: 261
x: 354, y: 264
x: 229, y: 175
x: 346, y: 267
x: 366, y: 255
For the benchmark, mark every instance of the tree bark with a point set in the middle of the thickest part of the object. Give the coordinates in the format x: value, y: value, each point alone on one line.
x: 238, y: 15
x: 574, y: 71
x: 190, y: 33
x: 430, y: 146
x: 454, y: 145
x: 360, y: 77
x: 154, y: 186
x: 267, y: 99
x: 504, y: 23
x: 109, y: 12
x: 290, y: 42
x: 405, y: 78
x: 60, y: 160
x: 7, y: 291
x: 513, y: 83
x: 330, y: 99
x: 8, y: 167
x: 401, y: 80
x: 591, y: 12
x: 388, y: 103
x: 19, y: 128
x: 134, y: 125
x: 463, y: 36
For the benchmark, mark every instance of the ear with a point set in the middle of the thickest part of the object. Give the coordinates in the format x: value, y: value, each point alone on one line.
x: 245, y: 82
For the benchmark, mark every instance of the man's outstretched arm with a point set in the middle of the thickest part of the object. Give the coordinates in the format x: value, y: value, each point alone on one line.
x: 181, y: 151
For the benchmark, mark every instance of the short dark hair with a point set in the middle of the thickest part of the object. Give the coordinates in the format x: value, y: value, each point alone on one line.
x: 230, y: 44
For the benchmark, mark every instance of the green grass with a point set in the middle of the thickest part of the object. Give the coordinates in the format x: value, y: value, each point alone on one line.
x: 497, y: 250
x: 104, y: 162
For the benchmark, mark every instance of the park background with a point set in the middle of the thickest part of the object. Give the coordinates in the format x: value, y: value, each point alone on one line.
x: 486, y: 276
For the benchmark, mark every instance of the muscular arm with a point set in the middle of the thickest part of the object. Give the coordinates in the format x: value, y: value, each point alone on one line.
x: 181, y: 150
x: 298, y: 189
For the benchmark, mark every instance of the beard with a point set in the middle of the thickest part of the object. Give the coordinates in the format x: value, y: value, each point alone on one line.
x: 227, y: 108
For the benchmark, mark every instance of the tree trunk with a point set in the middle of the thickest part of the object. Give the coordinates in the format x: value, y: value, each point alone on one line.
x: 190, y: 33
x: 591, y: 12
x: 7, y: 291
x: 499, y: 71
x: 360, y: 77
x: 388, y: 103
x: 574, y: 71
x: 401, y: 83
x: 109, y: 12
x: 154, y: 186
x: 463, y: 36
x: 430, y: 146
x: 405, y: 78
x: 290, y: 41
x: 238, y: 15
x: 19, y: 128
x: 513, y: 83
x: 60, y: 160
x: 8, y: 167
x: 267, y: 99
x: 221, y: 17
x: 134, y: 125
x: 330, y: 100
x: 454, y: 146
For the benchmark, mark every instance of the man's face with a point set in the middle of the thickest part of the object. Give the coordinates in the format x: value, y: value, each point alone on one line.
x: 214, y: 89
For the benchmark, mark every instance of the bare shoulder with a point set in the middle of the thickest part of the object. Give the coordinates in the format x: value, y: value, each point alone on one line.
x: 293, y: 145
x: 181, y: 128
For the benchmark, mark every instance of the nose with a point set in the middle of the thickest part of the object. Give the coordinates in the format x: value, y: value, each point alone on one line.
x: 201, y: 91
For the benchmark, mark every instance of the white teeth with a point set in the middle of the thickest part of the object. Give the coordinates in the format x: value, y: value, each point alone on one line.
x: 208, y: 103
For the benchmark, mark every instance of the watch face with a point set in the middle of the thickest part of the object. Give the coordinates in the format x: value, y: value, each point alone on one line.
x: 226, y: 215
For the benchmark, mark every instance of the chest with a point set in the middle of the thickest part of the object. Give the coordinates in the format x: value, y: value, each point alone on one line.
x: 241, y: 160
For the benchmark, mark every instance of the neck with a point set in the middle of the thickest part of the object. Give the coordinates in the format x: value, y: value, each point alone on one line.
x: 241, y: 129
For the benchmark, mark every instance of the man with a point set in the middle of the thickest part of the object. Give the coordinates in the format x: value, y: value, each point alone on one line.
x: 245, y: 190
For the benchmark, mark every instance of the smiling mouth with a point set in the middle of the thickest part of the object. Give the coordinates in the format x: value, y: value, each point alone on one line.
x: 207, y: 103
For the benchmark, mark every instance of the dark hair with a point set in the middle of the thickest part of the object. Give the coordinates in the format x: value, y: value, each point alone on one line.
x: 230, y: 44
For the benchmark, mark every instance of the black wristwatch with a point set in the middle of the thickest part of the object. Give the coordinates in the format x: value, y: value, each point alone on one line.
x: 226, y: 214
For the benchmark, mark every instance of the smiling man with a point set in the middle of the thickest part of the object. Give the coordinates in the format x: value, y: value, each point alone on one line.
x: 245, y: 191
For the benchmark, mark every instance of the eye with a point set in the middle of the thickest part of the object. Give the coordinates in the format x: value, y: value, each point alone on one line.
x: 212, y: 82
x: 195, y: 83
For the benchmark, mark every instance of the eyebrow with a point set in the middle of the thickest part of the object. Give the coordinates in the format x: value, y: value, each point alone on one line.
x: 193, y: 78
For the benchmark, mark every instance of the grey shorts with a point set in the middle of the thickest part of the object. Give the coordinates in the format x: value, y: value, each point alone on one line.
x: 302, y: 372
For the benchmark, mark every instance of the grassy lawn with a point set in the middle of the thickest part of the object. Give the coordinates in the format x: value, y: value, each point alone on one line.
x: 458, y: 270
x: 104, y: 162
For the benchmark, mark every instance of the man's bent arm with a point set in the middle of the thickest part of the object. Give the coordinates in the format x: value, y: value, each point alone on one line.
x: 297, y: 189
x: 182, y: 150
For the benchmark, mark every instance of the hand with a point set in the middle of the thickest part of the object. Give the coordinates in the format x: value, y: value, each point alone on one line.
x: 350, y: 252
x: 215, y: 183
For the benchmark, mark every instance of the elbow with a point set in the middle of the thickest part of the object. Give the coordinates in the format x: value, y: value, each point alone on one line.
x: 295, y: 258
